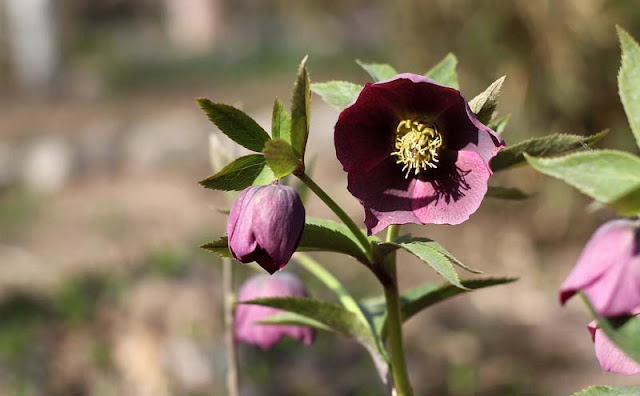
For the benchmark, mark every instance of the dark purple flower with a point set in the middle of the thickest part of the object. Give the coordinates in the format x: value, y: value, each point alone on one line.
x: 608, y: 270
x: 246, y: 326
x: 609, y: 356
x: 414, y: 153
x: 265, y: 225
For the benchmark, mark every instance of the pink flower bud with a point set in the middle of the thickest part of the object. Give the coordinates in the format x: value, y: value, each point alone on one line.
x: 609, y: 356
x: 608, y: 270
x: 246, y: 326
x: 265, y: 225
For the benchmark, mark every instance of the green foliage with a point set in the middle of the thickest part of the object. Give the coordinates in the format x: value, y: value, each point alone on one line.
x: 280, y: 122
x: 445, y: 72
x: 542, y: 147
x: 604, y: 175
x: 243, y: 172
x: 237, y: 125
x: 338, y: 94
x: 301, y: 111
x: 290, y: 318
x: 628, y: 204
x: 220, y: 247
x: 281, y: 158
x: 509, y: 193
x: 609, y: 391
x: 629, y: 80
x: 330, y: 315
x: 484, y: 105
x: 378, y: 71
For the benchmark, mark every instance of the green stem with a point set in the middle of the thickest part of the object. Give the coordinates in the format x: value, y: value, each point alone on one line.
x: 230, y: 345
x: 394, y: 322
x: 355, y: 230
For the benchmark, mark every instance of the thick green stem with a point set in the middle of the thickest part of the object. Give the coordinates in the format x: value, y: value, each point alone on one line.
x: 394, y: 322
x: 355, y: 230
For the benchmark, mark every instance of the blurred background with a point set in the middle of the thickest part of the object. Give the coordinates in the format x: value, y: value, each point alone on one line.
x: 103, y: 290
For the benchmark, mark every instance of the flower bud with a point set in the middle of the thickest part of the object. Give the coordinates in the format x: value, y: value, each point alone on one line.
x: 265, y: 225
x: 608, y: 270
x: 247, y: 317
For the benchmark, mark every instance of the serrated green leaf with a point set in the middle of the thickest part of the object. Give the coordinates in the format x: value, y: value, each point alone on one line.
x: 425, y: 250
x: 219, y: 247
x: 604, y: 175
x: 622, y: 331
x: 281, y: 158
x: 331, y: 315
x: 509, y: 193
x: 234, y: 123
x: 484, y: 105
x: 628, y: 204
x: 610, y: 391
x: 629, y: 80
x: 378, y: 71
x: 423, y: 296
x: 430, y: 243
x: 329, y: 236
x: 245, y: 171
x: 498, y: 125
x: 445, y: 71
x: 338, y: 94
x: 280, y: 122
x: 542, y: 147
x: 301, y: 111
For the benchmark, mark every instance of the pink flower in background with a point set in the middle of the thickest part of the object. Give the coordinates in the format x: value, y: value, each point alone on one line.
x: 608, y: 270
x: 609, y: 356
x: 247, y: 329
x: 414, y: 153
x: 265, y: 225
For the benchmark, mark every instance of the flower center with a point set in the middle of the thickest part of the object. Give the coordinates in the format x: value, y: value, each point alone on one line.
x: 417, y: 146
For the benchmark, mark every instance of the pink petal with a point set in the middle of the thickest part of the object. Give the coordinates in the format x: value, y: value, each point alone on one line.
x: 609, y: 356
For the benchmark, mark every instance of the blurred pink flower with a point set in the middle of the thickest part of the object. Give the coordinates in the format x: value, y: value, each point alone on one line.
x: 608, y: 270
x: 265, y: 225
x: 609, y: 356
x: 414, y: 153
x: 246, y: 326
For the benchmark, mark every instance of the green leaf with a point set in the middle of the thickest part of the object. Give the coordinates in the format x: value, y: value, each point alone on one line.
x: 509, y: 193
x: 281, y: 158
x: 628, y: 204
x: 604, y: 175
x: 629, y: 80
x: 610, y: 391
x: 542, y: 147
x: 240, y: 128
x: 445, y: 71
x: 329, y: 236
x: 280, y: 122
x: 300, y: 111
x: 430, y: 243
x: 330, y: 315
x: 219, y: 247
x: 289, y: 318
x: 484, y: 105
x: 498, y: 125
x: 245, y: 171
x: 338, y: 94
x: 378, y: 71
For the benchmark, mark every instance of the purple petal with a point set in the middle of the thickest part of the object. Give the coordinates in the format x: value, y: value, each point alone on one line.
x: 607, y: 270
x: 609, y: 356
x: 452, y: 199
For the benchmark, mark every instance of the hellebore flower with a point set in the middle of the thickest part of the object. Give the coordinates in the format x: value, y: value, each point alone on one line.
x: 246, y: 326
x: 265, y: 225
x: 609, y: 356
x: 608, y: 270
x: 414, y: 153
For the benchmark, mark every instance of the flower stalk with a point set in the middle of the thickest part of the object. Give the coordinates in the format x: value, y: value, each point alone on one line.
x: 228, y: 299
x: 394, y: 322
x: 355, y: 230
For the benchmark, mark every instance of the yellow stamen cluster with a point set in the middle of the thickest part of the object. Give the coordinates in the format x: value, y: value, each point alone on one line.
x: 417, y: 146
